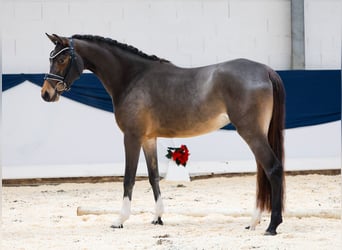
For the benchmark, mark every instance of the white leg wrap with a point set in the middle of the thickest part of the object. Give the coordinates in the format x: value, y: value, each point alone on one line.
x: 256, y: 217
x: 159, y: 208
x: 124, y: 213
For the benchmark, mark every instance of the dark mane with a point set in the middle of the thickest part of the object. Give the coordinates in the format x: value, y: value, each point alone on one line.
x: 123, y: 46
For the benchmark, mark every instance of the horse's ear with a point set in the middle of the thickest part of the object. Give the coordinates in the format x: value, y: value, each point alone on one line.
x: 55, y: 39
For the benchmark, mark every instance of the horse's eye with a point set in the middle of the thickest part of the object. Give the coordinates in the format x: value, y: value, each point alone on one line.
x: 60, y: 61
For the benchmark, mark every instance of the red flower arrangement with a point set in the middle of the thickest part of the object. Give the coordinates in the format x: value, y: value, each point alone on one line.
x: 179, y: 155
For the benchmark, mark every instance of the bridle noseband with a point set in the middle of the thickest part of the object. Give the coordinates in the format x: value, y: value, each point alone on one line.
x: 62, y: 84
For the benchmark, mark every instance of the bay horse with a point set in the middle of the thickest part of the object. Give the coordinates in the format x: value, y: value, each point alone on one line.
x: 154, y: 98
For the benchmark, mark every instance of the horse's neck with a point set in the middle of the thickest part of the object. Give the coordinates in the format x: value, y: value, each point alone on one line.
x: 111, y: 65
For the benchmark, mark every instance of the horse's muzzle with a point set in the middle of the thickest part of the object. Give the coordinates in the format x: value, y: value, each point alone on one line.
x: 50, y: 98
x: 46, y: 97
x: 48, y: 93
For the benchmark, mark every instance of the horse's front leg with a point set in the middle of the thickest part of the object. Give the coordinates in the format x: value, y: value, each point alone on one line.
x: 150, y: 151
x: 132, y: 151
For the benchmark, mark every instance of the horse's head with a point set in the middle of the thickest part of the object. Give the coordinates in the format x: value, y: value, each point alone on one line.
x: 66, y: 66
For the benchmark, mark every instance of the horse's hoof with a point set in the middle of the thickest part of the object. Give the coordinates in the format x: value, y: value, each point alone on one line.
x: 158, y: 221
x: 271, y: 232
x: 116, y: 226
x: 250, y: 227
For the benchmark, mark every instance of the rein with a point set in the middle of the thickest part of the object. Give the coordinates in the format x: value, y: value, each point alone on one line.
x: 62, y: 84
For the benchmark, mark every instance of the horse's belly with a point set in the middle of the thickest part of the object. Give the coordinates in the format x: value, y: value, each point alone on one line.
x: 202, y: 126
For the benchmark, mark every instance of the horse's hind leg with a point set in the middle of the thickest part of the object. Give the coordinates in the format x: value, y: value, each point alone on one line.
x: 150, y: 151
x: 268, y: 198
x: 255, y: 220
x: 132, y: 151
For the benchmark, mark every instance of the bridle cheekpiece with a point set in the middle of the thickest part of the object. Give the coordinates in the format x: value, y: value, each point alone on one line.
x: 62, y: 84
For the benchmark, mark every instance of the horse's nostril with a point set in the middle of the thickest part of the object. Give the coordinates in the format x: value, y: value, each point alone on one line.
x: 46, y: 96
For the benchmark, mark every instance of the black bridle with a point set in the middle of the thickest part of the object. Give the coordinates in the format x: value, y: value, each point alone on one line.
x: 62, y: 84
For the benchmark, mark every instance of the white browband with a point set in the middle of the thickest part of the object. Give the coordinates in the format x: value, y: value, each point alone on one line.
x: 53, y: 56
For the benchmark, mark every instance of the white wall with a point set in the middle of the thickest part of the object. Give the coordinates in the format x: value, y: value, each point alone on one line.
x: 323, y: 26
x: 189, y: 33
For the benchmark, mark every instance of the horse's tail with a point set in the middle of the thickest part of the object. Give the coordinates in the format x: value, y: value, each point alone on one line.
x: 276, y: 141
